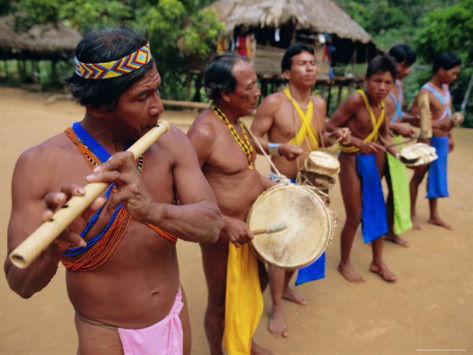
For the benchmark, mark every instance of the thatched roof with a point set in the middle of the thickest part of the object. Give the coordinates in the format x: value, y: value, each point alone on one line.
x: 315, y: 15
x: 40, y: 42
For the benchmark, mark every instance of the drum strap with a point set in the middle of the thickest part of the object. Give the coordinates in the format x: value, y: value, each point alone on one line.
x: 376, y: 122
x: 306, y: 129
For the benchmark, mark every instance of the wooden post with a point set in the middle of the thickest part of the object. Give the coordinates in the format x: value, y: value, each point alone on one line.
x: 329, y: 97
x: 339, y: 96
x: 197, y: 85
x: 188, y: 86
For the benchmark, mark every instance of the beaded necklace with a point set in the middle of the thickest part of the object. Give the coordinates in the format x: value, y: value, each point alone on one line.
x: 244, y: 143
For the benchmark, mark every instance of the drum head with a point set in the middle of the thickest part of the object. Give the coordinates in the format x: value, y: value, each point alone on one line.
x: 322, y: 163
x: 424, y: 152
x: 308, y: 220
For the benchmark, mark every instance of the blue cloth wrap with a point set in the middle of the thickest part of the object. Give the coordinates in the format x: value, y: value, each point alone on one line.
x: 437, y: 185
x: 374, y: 222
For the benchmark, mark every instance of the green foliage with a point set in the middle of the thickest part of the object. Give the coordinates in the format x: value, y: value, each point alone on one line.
x: 41, y: 11
x: 179, y: 31
x: 88, y: 14
x: 447, y: 29
x: 450, y: 29
x: 199, y: 35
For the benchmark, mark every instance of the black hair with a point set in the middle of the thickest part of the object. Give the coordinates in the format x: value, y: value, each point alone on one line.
x: 402, y: 53
x: 219, y: 75
x: 445, y: 60
x: 381, y: 64
x: 292, y: 51
x: 104, y: 45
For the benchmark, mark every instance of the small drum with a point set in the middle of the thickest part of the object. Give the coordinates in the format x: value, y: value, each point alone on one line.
x: 322, y: 163
x: 319, y: 171
x: 420, y: 153
x: 310, y: 226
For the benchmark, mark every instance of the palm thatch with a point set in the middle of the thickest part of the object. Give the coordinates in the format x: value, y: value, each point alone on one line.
x: 53, y: 42
x: 314, y: 15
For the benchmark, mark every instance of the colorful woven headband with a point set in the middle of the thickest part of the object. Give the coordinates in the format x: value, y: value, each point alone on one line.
x: 114, y: 68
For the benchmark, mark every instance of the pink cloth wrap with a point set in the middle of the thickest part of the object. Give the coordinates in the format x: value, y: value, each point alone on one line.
x: 162, y: 338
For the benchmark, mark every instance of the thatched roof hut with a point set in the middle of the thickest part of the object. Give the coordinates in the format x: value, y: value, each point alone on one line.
x: 295, y: 20
x: 48, y: 42
x: 314, y: 15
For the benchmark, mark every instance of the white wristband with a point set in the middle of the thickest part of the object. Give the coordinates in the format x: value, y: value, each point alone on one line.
x: 273, y: 149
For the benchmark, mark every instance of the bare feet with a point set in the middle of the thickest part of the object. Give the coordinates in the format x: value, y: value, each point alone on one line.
x: 347, y: 271
x: 396, y: 239
x: 277, y: 323
x: 440, y: 222
x: 415, y: 222
x: 259, y: 350
x: 383, y: 271
x: 293, y: 296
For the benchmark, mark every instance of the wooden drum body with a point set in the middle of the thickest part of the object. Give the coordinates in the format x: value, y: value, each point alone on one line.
x: 310, y: 226
x: 320, y: 170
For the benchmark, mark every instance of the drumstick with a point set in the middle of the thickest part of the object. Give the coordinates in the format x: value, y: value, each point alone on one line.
x: 41, y: 238
x: 273, y: 228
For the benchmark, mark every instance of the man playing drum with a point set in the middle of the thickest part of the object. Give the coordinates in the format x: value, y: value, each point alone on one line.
x: 398, y: 201
x: 227, y: 157
x: 446, y: 67
x: 293, y: 120
x: 362, y: 163
x: 122, y: 274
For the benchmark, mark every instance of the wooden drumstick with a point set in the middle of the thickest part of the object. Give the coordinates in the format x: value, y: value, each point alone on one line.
x: 41, y: 238
x: 273, y: 228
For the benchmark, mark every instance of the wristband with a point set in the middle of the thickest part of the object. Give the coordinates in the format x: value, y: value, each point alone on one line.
x: 273, y: 149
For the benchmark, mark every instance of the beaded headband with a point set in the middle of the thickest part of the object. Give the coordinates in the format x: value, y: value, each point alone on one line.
x: 114, y: 68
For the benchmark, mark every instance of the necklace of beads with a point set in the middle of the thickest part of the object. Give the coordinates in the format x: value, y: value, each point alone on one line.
x: 244, y: 143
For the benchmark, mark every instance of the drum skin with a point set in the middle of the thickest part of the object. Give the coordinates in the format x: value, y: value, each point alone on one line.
x: 322, y: 163
x: 424, y: 152
x: 309, y: 226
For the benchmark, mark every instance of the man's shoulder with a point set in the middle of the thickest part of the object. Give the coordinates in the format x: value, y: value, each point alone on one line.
x: 355, y: 100
x: 318, y: 100
x: 276, y: 98
x: 203, y: 123
x: 52, y: 148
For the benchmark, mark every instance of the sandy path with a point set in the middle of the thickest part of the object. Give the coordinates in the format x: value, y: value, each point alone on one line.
x: 428, y: 308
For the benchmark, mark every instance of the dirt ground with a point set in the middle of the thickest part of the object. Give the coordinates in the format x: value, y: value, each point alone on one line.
x: 428, y: 309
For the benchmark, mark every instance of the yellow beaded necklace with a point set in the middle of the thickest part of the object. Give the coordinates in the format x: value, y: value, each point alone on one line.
x: 245, y: 144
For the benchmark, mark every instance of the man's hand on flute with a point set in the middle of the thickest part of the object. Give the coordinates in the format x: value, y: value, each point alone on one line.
x: 120, y: 170
x: 57, y: 200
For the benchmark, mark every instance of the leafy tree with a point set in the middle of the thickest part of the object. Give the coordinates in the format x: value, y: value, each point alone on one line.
x: 450, y: 29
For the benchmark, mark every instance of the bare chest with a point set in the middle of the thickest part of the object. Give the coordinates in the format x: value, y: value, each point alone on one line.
x: 287, y: 122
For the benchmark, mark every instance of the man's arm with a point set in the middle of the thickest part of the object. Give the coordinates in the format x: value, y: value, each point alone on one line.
x: 343, y: 115
x: 262, y: 124
x: 340, y: 134
x: 30, y: 197
x: 198, y: 219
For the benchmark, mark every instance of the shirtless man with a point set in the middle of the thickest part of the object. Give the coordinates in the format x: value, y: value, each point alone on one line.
x: 281, y: 116
x: 116, y: 294
x: 227, y: 157
x: 446, y: 67
x: 361, y: 165
x: 398, y: 201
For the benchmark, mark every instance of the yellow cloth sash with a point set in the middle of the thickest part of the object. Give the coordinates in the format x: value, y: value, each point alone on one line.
x: 243, y: 299
x: 306, y: 129
x: 373, y: 136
